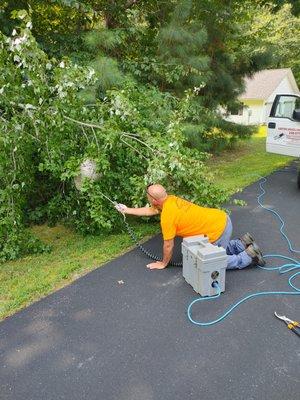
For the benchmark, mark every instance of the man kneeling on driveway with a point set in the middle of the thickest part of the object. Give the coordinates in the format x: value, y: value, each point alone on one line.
x: 182, y: 218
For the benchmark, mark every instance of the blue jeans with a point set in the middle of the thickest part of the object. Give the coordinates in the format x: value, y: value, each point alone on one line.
x: 237, y: 258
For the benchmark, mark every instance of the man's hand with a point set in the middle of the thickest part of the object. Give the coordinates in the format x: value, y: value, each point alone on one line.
x: 157, y: 265
x: 167, y: 254
x: 121, y: 208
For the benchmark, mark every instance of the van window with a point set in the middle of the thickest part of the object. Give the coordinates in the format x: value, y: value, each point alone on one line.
x: 286, y: 106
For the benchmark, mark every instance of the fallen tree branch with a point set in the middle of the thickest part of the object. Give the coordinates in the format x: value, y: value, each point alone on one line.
x: 83, y: 123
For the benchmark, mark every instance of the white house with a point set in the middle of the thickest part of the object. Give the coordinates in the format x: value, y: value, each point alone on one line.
x: 259, y: 94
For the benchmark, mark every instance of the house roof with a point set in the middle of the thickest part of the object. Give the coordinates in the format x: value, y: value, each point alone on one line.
x: 262, y: 84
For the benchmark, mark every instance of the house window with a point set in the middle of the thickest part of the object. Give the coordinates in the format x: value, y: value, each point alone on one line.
x: 236, y: 110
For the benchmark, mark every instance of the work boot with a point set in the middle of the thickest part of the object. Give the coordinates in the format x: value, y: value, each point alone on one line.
x: 247, y: 239
x: 256, y: 255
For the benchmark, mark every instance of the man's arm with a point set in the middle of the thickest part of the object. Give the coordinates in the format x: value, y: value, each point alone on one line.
x: 167, y: 251
x: 140, y: 212
x: 167, y: 255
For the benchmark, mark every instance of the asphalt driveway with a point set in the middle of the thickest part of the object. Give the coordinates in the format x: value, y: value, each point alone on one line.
x: 122, y: 333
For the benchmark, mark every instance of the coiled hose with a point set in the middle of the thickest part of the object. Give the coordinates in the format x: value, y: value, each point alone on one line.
x: 142, y: 248
x: 295, y: 264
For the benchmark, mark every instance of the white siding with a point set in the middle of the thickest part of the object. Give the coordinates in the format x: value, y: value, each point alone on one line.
x: 238, y: 119
x: 267, y: 110
x: 284, y: 87
x: 256, y: 113
x: 252, y: 113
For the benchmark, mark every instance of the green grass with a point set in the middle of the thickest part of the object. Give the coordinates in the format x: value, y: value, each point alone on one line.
x: 236, y: 168
x: 27, y: 280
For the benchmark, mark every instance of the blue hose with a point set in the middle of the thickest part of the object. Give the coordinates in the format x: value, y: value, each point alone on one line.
x: 282, y: 270
x: 263, y: 180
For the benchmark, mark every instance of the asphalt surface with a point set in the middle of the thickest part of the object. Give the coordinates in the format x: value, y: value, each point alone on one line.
x: 122, y: 333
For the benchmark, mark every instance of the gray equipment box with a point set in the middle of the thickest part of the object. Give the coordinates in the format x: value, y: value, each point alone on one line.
x: 202, y: 264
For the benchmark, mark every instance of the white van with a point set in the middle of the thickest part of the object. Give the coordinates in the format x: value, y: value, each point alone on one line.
x: 283, y: 135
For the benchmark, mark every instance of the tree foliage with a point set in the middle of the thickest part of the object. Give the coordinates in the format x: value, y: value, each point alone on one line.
x: 134, y: 135
x: 280, y: 34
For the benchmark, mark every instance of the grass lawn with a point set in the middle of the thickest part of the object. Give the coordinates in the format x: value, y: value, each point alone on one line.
x: 243, y: 165
x: 26, y: 280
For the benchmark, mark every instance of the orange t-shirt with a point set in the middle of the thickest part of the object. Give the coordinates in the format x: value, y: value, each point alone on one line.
x: 180, y: 217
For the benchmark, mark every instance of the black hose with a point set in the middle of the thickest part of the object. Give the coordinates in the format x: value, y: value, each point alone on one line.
x: 145, y: 251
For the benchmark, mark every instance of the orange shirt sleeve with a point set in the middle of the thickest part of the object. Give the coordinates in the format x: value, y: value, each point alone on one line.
x: 168, y: 226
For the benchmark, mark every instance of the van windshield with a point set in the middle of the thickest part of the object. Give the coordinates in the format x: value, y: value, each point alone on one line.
x: 287, y: 106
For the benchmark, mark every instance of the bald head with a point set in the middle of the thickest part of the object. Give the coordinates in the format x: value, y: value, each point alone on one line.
x: 157, y: 194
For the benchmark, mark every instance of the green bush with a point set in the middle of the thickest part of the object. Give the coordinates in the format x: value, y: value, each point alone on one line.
x: 206, y: 130
x: 216, y: 138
